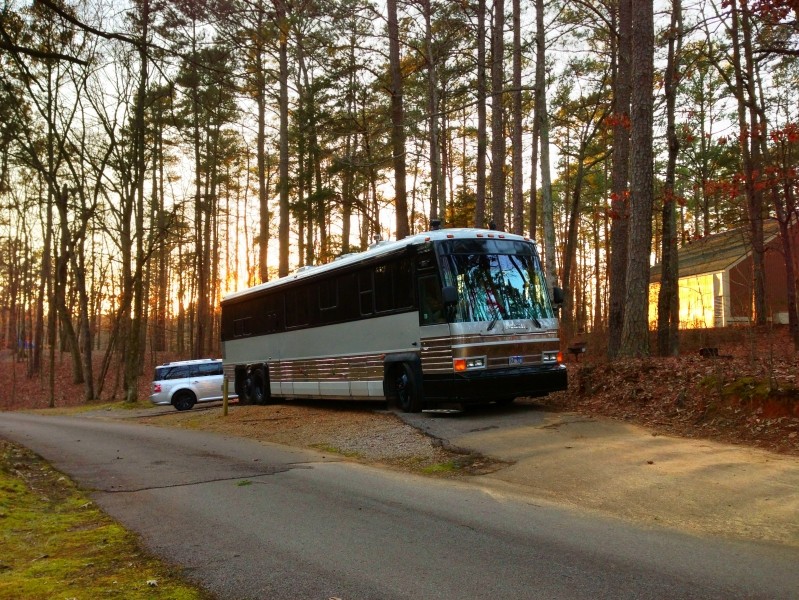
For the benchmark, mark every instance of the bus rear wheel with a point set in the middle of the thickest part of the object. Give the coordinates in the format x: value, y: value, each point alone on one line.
x: 409, y: 397
x: 258, y: 392
x: 243, y: 387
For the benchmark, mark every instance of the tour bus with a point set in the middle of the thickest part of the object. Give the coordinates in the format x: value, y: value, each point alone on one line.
x: 449, y: 316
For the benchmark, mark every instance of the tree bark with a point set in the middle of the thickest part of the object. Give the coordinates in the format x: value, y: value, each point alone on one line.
x: 497, y: 121
x: 619, y: 207
x: 516, y: 147
x: 436, y: 198
x: 397, y: 123
x: 482, y: 145
x: 635, y: 332
x: 541, y: 115
x: 668, y: 297
x: 283, y: 178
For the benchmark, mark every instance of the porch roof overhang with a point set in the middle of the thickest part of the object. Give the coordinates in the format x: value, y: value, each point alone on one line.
x: 717, y: 252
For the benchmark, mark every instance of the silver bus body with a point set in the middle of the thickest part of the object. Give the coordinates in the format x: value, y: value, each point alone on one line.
x: 454, y: 315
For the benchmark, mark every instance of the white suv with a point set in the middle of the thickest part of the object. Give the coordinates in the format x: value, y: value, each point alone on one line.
x: 184, y: 383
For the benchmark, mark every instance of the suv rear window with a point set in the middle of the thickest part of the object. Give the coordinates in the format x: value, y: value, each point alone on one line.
x: 167, y: 372
x: 209, y: 369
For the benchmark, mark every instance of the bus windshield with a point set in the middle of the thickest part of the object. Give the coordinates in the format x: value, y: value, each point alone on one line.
x: 495, y: 286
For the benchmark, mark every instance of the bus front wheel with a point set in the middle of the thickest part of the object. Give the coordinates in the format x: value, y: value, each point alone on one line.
x: 409, y: 397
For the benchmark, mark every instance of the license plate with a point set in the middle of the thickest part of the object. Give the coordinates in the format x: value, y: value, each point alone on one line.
x: 515, y: 360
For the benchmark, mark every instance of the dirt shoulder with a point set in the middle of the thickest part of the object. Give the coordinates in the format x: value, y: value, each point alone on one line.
x: 360, y: 431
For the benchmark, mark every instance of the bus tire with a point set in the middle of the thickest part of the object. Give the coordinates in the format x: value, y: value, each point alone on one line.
x: 409, y: 397
x: 258, y: 390
x: 243, y: 386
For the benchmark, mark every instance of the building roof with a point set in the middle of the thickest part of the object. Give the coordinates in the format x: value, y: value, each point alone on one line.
x: 717, y: 252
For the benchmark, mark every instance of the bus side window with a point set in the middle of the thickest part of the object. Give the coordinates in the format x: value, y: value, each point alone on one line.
x: 431, y: 304
x: 403, y: 284
x: 241, y: 327
x: 365, y: 291
x: 297, y: 307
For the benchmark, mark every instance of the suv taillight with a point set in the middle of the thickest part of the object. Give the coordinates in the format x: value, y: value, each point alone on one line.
x: 156, y: 388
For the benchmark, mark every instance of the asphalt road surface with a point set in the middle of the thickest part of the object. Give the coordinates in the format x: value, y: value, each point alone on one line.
x: 255, y: 521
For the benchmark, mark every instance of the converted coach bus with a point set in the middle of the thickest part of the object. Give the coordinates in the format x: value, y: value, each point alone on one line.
x: 446, y: 316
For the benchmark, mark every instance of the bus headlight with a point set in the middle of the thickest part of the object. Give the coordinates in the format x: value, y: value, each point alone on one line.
x: 552, y: 356
x: 469, y: 364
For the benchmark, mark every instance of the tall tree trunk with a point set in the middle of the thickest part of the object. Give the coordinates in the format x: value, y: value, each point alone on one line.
x: 757, y: 133
x: 635, y: 332
x: 263, y: 191
x: 70, y: 338
x: 541, y: 115
x: 750, y: 152
x: 480, y: 196
x: 668, y: 296
x: 133, y: 283
x: 283, y: 178
x: 436, y: 189
x: 619, y: 208
x: 536, y: 135
x: 397, y: 123
x: 516, y: 146
x: 497, y: 121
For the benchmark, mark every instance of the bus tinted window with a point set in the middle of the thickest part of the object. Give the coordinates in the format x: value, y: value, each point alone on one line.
x: 393, y: 286
x: 384, y: 288
x: 328, y: 294
x: 365, y: 291
x: 297, y: 308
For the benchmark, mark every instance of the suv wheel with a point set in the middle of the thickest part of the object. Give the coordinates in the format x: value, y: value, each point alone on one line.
x: 183, y: 400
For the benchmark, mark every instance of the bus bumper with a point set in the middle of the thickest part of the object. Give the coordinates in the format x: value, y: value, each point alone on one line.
x: 495, y: 384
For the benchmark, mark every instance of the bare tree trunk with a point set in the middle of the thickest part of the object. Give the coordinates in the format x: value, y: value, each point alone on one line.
x: 497, y: 121
x: 619, y: 209
x: 283, y: 178
x: 135, y: 210
x: 436, y: 211
x: 516, y: 147
x: 668, y: 296
x: 758, y: 129
x: 397, y: 122
x: 70, y: 338
x: 547, y: 209
x: 480, y: 204
x: 263, y: 191
x: 635, y: 332
x: 536, y: 135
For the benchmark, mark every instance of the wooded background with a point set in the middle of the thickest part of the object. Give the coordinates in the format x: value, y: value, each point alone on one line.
x: 155, y: 155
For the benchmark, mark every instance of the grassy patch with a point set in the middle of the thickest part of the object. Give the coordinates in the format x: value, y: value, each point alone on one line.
x: 94, y: 406
x: 445, y: 468
x: 54, y: 543
x: 333, y: 450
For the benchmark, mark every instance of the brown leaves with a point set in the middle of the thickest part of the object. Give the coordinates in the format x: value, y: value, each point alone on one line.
x: 750, y: 398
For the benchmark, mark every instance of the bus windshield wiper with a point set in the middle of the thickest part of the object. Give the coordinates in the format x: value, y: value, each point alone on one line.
x: 496, y: 317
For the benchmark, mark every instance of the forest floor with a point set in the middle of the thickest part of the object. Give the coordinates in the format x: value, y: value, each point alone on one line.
x: 748, y: 395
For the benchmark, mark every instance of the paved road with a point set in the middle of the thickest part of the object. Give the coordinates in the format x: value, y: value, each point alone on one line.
x: 250, y: 520
x: 623, y: 470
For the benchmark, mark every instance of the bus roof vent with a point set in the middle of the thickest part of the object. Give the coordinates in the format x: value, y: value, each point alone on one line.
x: 377, y: 241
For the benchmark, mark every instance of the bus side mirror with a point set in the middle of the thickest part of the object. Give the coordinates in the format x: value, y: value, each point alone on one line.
x: 557, y: 296
x: 449, y: 294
